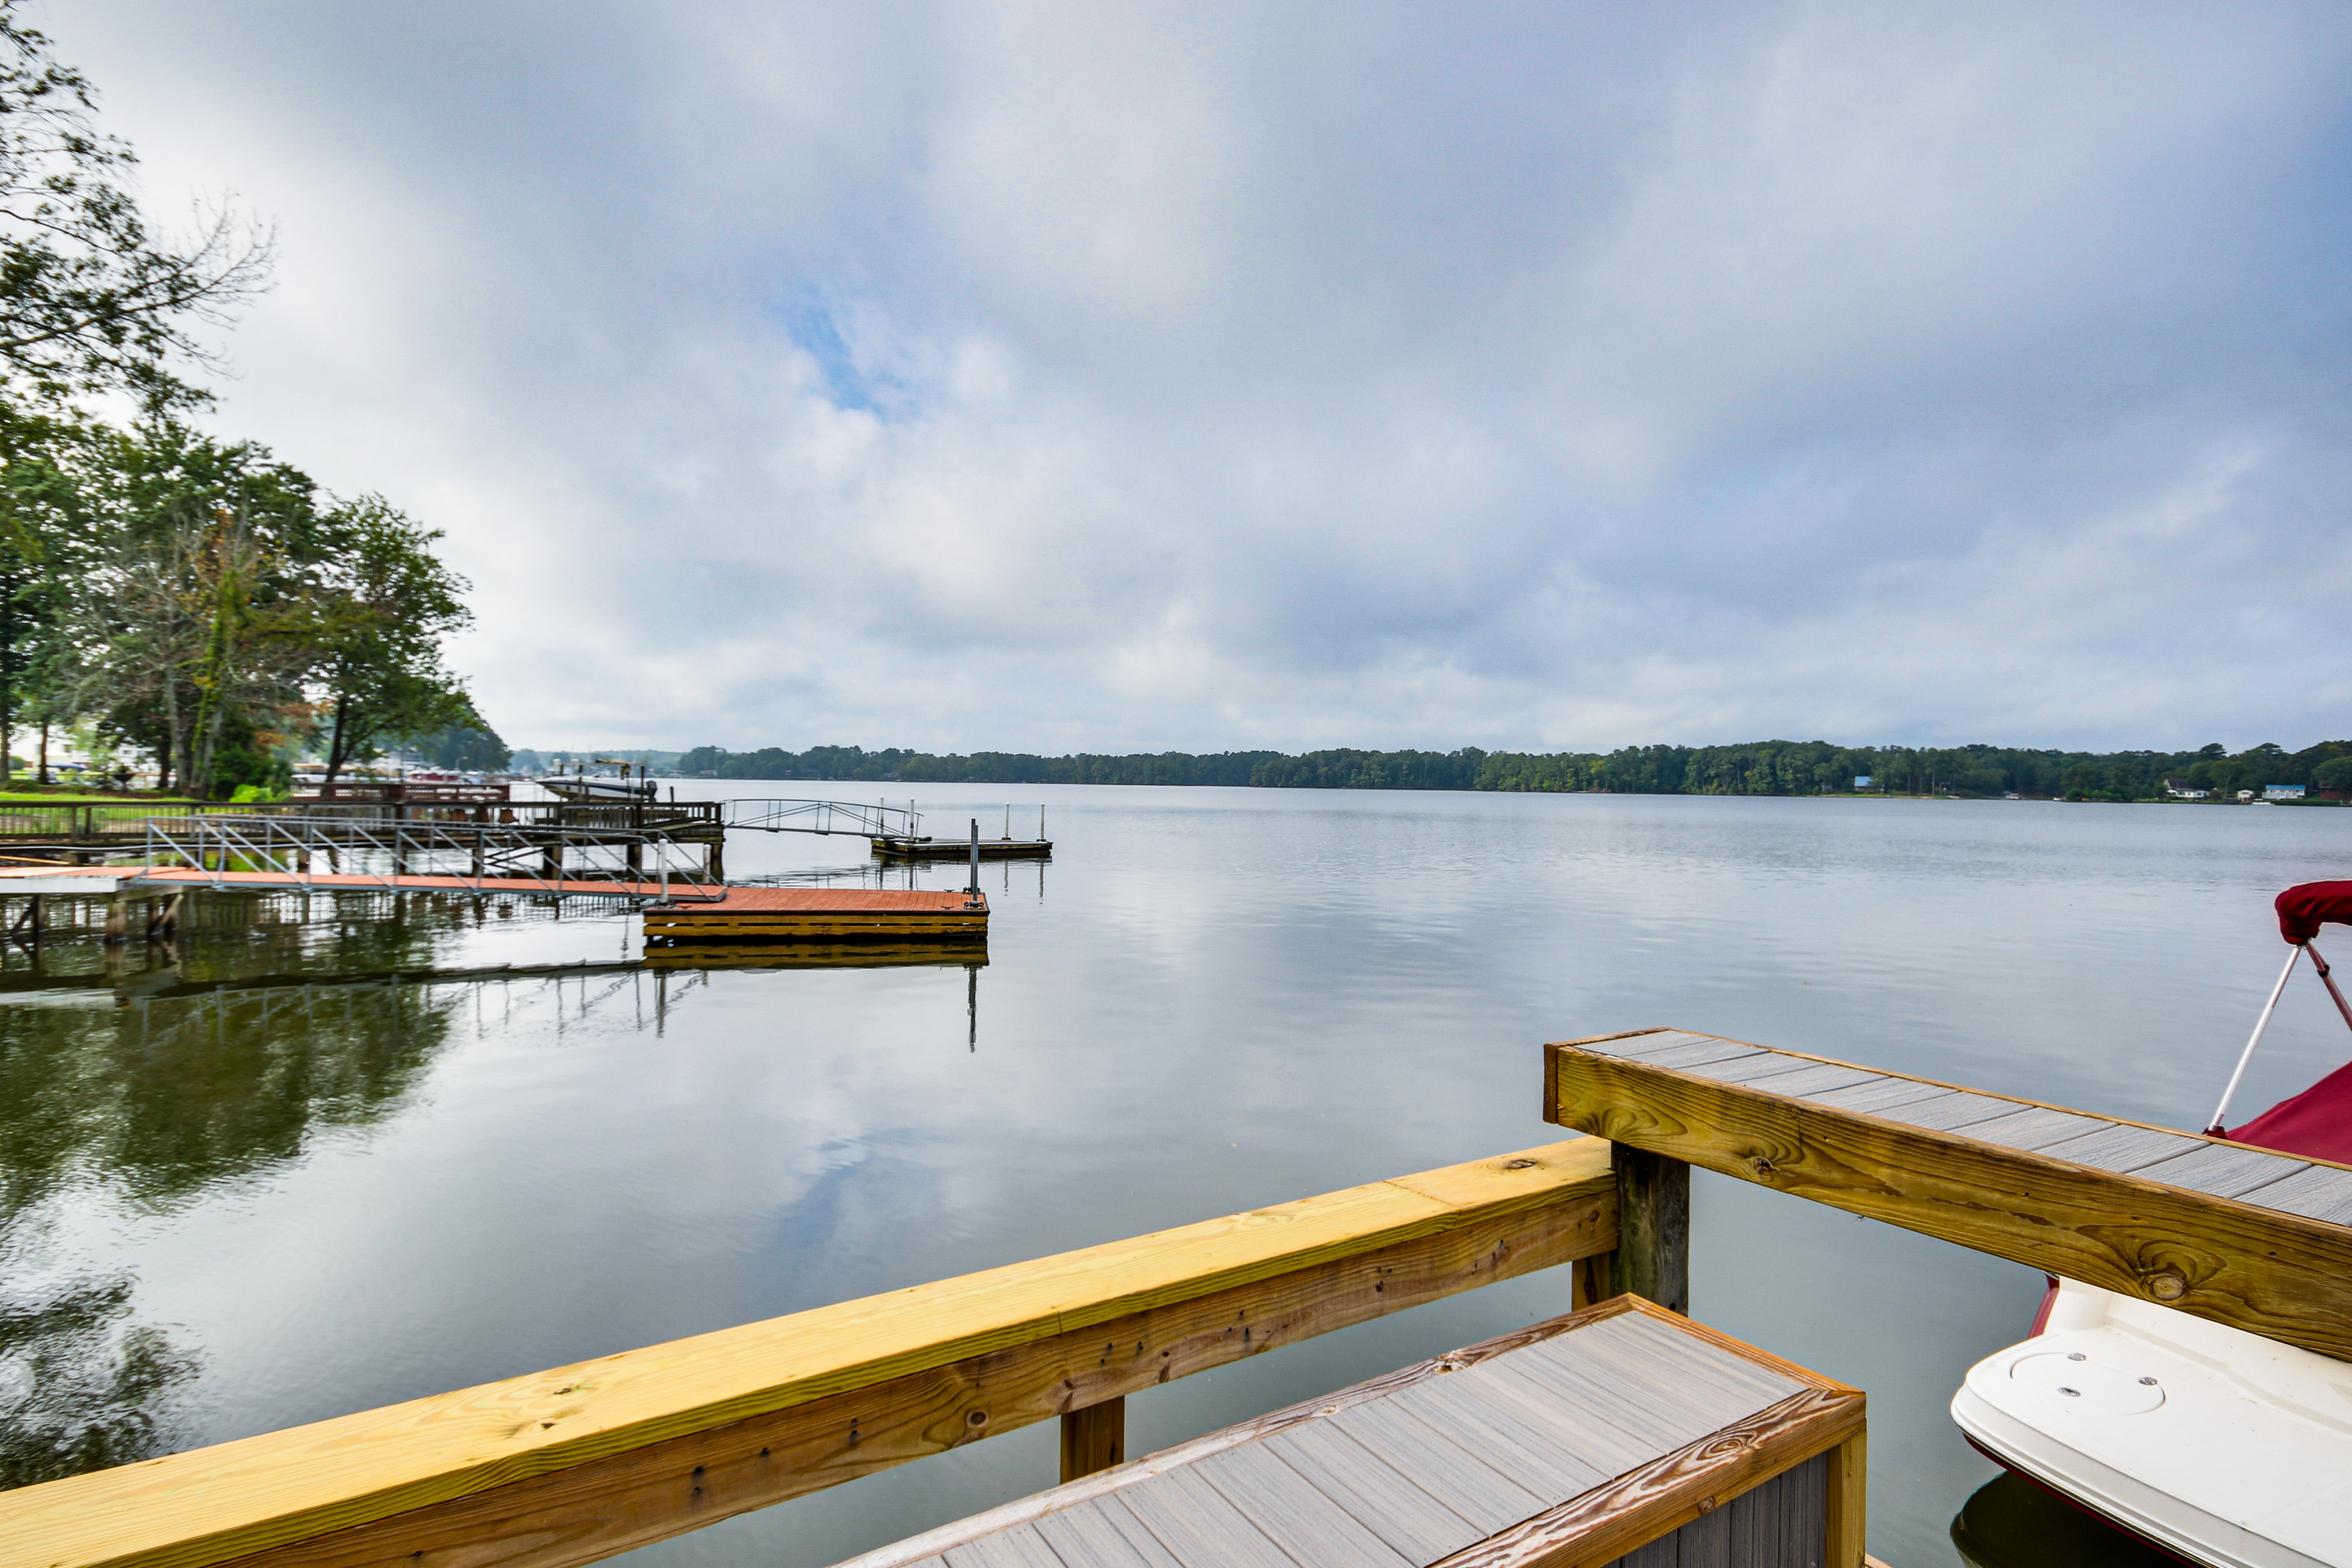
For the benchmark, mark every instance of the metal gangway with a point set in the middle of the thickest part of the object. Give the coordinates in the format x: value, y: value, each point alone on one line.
x: 257, y: 851
x: 826, y: 816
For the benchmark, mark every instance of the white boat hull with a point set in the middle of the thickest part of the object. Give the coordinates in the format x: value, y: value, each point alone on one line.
x: 2221, y: 1446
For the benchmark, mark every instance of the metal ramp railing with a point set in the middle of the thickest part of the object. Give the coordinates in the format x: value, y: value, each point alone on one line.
x: 875, y: 820
x: 481, y: 858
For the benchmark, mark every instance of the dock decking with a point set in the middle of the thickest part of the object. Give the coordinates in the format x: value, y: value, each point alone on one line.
x: 1589, y: 1438
x: 2258, y: 1240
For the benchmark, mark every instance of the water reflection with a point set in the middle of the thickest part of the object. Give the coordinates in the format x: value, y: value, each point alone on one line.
x: 154, y: 1076
x: 81, y: 1386
x: 2010, y: 1523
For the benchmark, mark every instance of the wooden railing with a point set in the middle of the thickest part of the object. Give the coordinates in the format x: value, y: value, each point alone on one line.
x: 576, y: 1464
x: 100, y: 823
x: 2243, y: 1237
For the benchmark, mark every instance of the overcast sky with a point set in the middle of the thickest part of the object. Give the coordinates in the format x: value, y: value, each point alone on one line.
x: 1195, y: 376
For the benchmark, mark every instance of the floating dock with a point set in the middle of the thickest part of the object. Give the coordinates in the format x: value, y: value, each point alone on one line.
x: 800, y: 913
x: 893, y: 849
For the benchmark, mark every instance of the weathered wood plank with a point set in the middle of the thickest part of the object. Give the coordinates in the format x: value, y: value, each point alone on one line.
x: 1466, y: 1481
x: 1022, y: 1548
x: 1534, y: 1457
x: 2223, y: 1170
x: 1101, y: 1534
x: 2123, y: 1148
x: 1195, y: 1522
x: 2034, y: 1127
x: 2316, y: 1192
x: 1885, y: 1092
x: 1820, y: 1080
x: 2274, y: 1274
x: 1699, y: 1053
x: 576, y: 1464
x: 1646, y: 1042
x: 1749, y: 1070
x: 1596, y: 1384
x: 1673, y: 1490
x: 1730, y: 1382
x: 1315, y: 1531
x: 1396, y: 1506
x: 1950, y: 1112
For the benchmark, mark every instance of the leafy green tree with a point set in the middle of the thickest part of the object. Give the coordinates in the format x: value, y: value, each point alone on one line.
x: 466, y: 748
x: 90, y: 300
x: 208, y: 608
x: 379, y: 675
x: 45, y: 539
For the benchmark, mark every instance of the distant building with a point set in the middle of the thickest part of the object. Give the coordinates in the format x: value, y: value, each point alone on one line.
x: 2178, y: 791
x: 2282, y: 792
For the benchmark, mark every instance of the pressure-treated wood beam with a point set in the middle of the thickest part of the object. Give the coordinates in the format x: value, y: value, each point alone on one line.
x: 2269, y: 1272
x: 576, y: 1464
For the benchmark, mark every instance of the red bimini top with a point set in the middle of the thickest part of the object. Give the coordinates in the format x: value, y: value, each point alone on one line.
x: 2319, y: 1122
x: 2302, y: 908
x: 2316, y: 1123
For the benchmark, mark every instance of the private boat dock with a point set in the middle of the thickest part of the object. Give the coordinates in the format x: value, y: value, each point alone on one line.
x: 1623, y: 1432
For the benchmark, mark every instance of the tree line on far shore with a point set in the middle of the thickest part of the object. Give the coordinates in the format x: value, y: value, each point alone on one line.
x: 1756, y: 768
x: 190, y: 598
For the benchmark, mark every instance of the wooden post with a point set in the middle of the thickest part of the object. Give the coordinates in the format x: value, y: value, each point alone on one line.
x: 1094, y: 1438
x: 1653, y: 1256
x: 1589, y: 1280
x: 114, y: 920
x: 1848, y: 1511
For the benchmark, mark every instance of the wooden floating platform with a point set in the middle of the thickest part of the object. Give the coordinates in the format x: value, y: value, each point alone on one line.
x: 1620, y: 1429
x: 961, y: 848
x: 795, y: 914
x: 698, y: 954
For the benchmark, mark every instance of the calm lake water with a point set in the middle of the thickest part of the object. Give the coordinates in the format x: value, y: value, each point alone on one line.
x: 244, y: 1208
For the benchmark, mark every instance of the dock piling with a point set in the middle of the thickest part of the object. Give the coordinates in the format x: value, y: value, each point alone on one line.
x: 1653, y: 1255
x: 1094, y: 1438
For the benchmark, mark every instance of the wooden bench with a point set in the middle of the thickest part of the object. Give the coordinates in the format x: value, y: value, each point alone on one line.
x: 1619, y: 1434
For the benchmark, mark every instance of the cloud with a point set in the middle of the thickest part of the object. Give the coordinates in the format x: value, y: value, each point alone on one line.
x: 1048, y: 376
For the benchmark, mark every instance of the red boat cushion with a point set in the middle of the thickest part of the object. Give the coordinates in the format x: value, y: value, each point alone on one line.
x: 2303, y: 907
x: 2316, y: 1123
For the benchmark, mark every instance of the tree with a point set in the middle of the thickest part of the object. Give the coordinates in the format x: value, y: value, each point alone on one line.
x: 206, y: 613
x: 2334, y: 775
x: 466, y: 748
x: 90, y: 300
x: 48, y: 543
x: 381, y: 677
